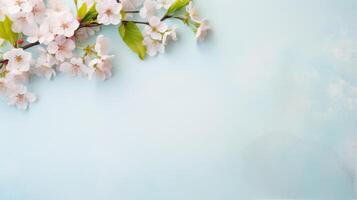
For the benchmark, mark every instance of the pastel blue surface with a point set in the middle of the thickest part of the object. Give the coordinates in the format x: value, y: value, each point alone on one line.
x: 257, y: 111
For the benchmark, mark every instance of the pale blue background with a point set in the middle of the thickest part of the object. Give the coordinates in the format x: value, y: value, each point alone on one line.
x: 245, y: 115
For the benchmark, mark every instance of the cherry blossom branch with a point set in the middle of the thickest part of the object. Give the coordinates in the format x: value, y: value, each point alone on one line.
x: 28, y: 46
x: 59, y: 31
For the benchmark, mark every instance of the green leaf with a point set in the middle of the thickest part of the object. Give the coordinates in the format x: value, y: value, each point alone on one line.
x: 82, y: 11
x: 3, y: 34
x: 132, y: 37
x: 6, y: 32
x: 177, y: 5
x: 91, y: 15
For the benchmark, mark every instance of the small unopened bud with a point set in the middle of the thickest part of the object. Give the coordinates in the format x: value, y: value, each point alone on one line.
x: 20, y: 41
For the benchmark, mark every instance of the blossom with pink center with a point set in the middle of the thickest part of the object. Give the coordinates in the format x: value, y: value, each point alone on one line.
x: 75, y: 67
x: 156, y: 28
x: 62, y: 48
x: 109, y: 12
x: 102, y: 67
x: 20, y: 97
x: 18, y: 61
x: 66, y: 24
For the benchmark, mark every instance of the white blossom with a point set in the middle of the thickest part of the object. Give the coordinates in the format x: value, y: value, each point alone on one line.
x: 44, y: 64
x: 164, y: 4
x: 193, y: 12
x: 18, y: 61
x: 20, y: 97
x: 101, y: 64
x: 23, y: 23
x: 17, y: 79
x: 75, y: 67
x: 62, y: 48
x: 44, y: 70
x: 43, y: 34
x: 46, y: 57
x: 170, y: 34
x: 16, y: 6
x: 109, y: 12
x: 153, y: 46
x: 85, y: 32
x: 156, y: 28
x: 57, y: 6
x: 66, y: 24
x: 202, y: 30
x: 148, y: 10
x: 102, y: 45
x: 102, y: 67
x: 38, y: 10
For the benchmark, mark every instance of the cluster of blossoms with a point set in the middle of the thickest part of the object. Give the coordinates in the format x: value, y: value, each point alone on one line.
x: 60, y: 37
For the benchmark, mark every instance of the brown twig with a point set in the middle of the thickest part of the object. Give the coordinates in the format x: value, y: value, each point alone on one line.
x: 136, y: 22
x: 30, y: 45
x: 132, y: 11
x: 171, y: 17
